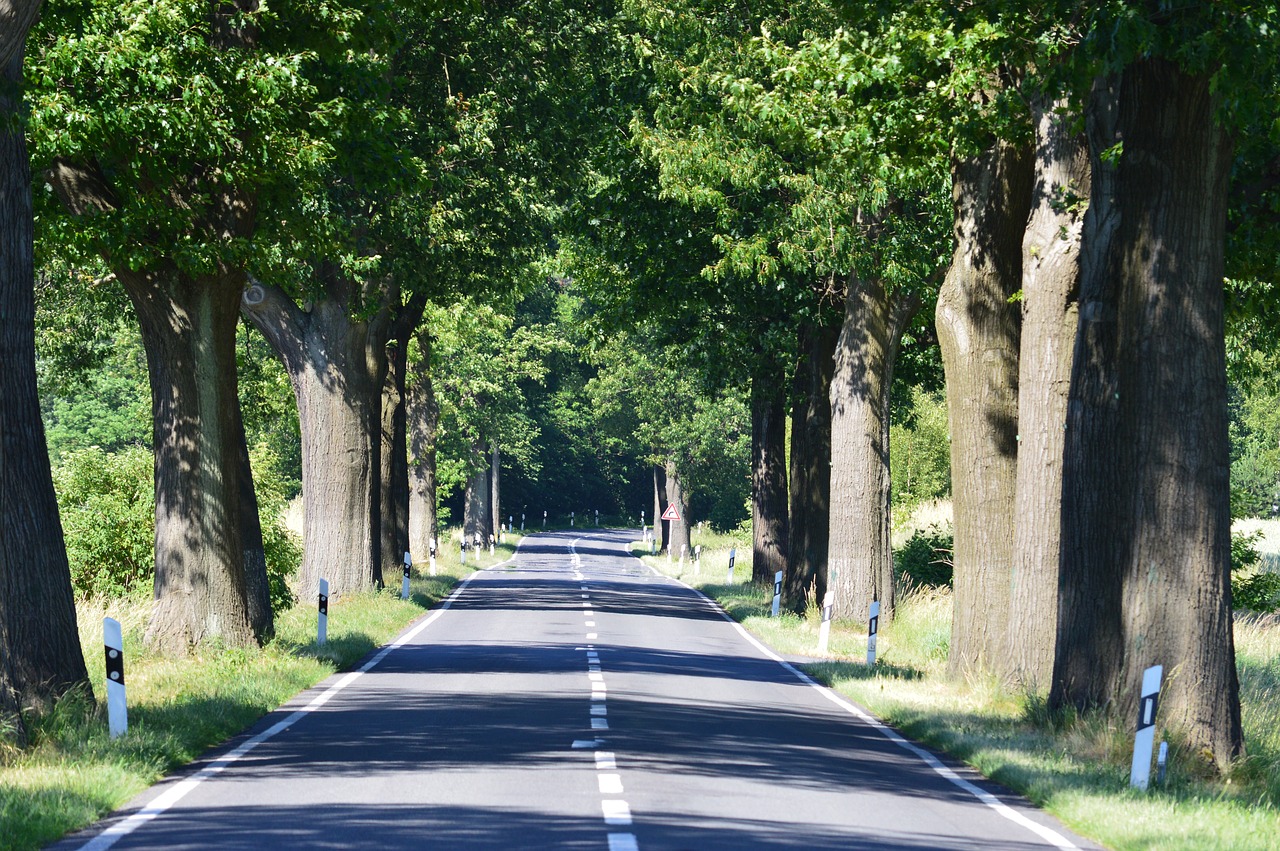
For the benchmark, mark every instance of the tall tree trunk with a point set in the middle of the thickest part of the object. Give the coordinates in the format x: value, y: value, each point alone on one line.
x: 38, y: 639
x: 495, y: 480
x: 476, y: 513
x: 1147, y: 423
x: 660, y: 530
x: 188, y: 330
x: 978, y: 332
x: 394, y: 475
x: 859, y: 556
x: 677, y: 530
x: 1050, y: 283
x: 769, y: 544
x: 337, y: 366
x: 424, y: 426
x: 257, y: 585
x: 806, y: 577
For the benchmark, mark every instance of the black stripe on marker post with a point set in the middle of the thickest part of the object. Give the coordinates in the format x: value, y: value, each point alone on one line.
x: 324, y: 604
x: 115, y: 665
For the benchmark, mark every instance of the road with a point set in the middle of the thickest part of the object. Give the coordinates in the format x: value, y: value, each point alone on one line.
x: 571, y: 698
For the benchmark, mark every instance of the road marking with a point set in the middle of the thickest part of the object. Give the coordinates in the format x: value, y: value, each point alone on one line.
x: 586, y: 596
x: 591, y: 635
x: 616, y: 812
x: 605, y: 761
x: 595, y: 677
x: 586, y: 604
x: 610, y: 784
x: 1048, y: 834
x: 623, y: 842
x: 599, y: 723
x: 599, y: 710
x: 590, y: 623
x: 176, y: 793
x: 587, y: 744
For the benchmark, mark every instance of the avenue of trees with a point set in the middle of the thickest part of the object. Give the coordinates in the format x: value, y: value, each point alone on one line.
x: 429, y: 261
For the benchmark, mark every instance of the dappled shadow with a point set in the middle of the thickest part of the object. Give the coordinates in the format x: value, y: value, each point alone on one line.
x: 405, y: 825
x: 830, y: 671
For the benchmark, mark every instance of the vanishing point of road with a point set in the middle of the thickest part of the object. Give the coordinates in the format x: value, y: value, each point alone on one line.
x: 571, y: 698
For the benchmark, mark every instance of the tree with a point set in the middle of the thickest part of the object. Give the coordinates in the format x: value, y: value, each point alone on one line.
x: 1050, y: 281
x: 40, y: 655
x: 165, y: 187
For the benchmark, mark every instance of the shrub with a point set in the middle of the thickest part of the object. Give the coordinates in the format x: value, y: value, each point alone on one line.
x: 107, y: 505
x: 1252, y: 586
x: 925, y: 559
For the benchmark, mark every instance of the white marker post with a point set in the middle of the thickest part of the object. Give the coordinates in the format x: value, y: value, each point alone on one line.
x: 597, y: 511
x: 322, y: 621
x: 492, y: 545
x: 573, y: 517
x: 697, y: 560
x: 733, y: 554
x: 435, y: 542
x: 777, y: 594
x: 824, y: 631
x: 462, y: 552
x: 1144, y: 741
x: 117, y: 708
x: 522, y: 523
x: 872, y: 628
x: 1162, y: 761
x: 404, y: 584
x: 684, y: 548
x: 544, y: 520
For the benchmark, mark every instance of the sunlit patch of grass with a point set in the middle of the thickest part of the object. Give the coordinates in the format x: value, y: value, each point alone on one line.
x: 72, y: 772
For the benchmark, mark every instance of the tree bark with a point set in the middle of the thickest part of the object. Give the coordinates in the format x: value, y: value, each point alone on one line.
x: 424, y: 427
x: 677, y: 530
x: 188, y: 330
x: 1146, y: 516
x: 40, y: 656
x: 475, y: 518
x: 859, y: 555
x: 394, y: 475
x: 806, y: 577
x: 337, y: 366
x: 769, y: 544
x: 1050, y: 288
x: 660, y: 530
x: 978, y: 333
x: 495, y: 480
x: 257, y: 585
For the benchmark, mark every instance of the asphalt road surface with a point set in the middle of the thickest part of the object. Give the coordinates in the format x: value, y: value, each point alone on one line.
x: 570, y: 698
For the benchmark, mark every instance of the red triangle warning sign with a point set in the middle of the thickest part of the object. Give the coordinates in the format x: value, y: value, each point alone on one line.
x: 671, y: 513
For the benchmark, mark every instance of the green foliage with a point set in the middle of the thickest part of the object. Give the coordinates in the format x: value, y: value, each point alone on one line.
x: 925, y: 559
x: 920, y: 450
x: 282, y: 548
x: 101, y: 401
x: 1255, y: 447
x: 107, y: 505
x: 1253, y: 587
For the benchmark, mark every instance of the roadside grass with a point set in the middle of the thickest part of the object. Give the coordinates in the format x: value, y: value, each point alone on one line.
x: 72, y: 773
x: 1076, y: 769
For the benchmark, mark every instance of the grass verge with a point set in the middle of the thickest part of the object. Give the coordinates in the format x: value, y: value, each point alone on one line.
x: 72, y: 772
x: 1077, y: 770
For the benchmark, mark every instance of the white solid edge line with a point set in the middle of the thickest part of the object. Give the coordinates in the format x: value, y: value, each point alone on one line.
x: 167, y: 799
x: 1046, y: 833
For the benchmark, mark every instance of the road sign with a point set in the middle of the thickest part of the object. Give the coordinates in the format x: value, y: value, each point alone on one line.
x: 671, y: 513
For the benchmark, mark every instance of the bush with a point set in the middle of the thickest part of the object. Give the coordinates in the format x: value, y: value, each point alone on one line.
x: 1252, y: 586
x: 925, y: 559
x: 920, y: 451
x: 107, y: 505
